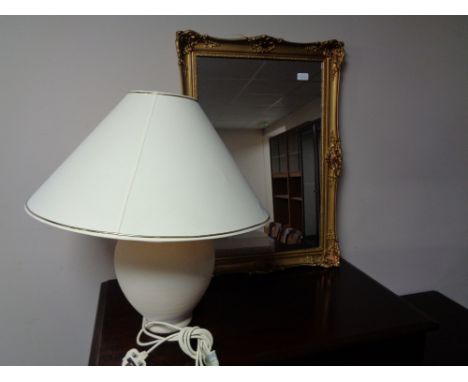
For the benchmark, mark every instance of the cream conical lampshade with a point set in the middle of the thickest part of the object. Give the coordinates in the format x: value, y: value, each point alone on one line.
x: 153, y: 170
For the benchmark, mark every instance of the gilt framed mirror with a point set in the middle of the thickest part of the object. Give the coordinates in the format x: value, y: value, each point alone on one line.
x: 274, y: 104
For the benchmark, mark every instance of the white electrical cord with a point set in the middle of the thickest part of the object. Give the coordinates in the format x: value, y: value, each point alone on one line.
x: 202, y: 354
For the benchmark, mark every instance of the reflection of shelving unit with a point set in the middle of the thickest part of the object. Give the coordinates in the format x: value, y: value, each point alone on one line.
x: 290, y: 197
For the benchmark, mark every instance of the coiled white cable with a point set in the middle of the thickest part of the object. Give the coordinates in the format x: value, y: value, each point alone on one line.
x: 202, y: 353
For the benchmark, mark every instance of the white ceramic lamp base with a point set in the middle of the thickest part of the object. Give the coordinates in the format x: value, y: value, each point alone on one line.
x: 164, y: 281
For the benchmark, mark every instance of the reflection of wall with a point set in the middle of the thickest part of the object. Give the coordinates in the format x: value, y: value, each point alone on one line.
x: 246, y: 147
x: 308, y: 112
x: 251, y: 149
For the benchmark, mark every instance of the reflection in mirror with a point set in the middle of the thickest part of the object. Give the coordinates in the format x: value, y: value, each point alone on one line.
x: 268, y: 113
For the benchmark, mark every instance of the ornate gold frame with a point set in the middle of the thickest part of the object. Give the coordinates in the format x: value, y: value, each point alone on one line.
x: 191, y: 45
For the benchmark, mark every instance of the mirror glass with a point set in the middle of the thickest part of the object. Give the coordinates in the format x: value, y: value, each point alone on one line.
x: 268, y: 113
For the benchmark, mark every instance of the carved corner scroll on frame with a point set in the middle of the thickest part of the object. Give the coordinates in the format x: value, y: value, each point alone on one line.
x: 192, y: 45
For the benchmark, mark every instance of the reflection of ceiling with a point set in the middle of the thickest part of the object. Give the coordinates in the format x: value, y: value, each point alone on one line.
x: 246, y: 93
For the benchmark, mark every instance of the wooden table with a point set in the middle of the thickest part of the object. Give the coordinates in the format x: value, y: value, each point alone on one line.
x: 299, y: 316
x: 447, y: 346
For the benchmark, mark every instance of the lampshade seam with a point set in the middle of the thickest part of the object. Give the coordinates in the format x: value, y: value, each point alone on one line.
x: 137, y: 164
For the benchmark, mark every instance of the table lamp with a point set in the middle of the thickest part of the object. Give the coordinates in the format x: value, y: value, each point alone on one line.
x: 154, y: 175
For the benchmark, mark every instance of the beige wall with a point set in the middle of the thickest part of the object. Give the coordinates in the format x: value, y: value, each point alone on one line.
x: 403, y: 201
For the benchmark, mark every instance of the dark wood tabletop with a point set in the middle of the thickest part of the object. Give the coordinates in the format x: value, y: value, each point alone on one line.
x: 303, y: 315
